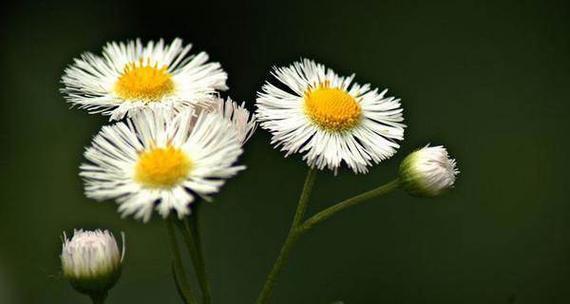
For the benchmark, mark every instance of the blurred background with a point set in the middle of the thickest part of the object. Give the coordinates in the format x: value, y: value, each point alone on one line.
x: 488, y: 79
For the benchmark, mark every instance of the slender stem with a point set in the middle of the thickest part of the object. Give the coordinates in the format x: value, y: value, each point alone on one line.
x: 98, y: 298
x: 291, y: 239
x: 327, y: 213
x: 192, y: 239
x: 180, y: 277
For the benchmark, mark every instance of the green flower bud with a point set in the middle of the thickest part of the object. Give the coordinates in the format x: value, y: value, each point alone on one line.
x: 91, y: 261
x: 428, y: 172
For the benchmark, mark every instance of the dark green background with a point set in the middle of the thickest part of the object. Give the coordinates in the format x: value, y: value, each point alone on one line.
x: 489, y: 79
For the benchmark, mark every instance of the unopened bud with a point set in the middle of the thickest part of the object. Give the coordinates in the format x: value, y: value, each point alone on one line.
x: 91, y: 261
x: 428, y: 171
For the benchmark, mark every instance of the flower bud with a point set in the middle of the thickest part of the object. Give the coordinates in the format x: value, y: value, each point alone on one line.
x: 91, y: 261
x: 428, y: 172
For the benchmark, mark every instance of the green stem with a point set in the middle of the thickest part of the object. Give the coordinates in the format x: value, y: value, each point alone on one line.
x: 291, y: 239
x: 298, y: 227
x: 192, y: 239
x: 355, y: 200
x: 98, y: 298
x: 181, y: 280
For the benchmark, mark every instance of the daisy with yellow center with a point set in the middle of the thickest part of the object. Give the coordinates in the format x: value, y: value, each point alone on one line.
x: 158, y: 160
x: 129, y: 77
x: 329, y: 118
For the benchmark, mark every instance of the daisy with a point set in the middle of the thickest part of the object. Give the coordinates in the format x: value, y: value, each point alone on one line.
x: 128, y: 77
x: 329, y: 118
x: 242, y: 121
x: 158, y: 160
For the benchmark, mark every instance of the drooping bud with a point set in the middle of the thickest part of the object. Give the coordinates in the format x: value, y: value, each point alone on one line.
x: 91, y: 261
x: 428, y: 172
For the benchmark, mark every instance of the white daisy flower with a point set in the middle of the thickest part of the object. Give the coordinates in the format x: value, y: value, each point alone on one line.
x: 329, y: 118
x: 242, y: 120
x: 159, y: 160
x: 129, y: 77
x: 428, y: 172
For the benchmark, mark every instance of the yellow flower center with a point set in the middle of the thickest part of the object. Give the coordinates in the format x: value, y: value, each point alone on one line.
x: 331, y: 108
x: 140, y: 81
x: 162, y: 167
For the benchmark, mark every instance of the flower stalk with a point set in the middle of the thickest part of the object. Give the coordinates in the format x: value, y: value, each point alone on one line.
x: 300, y: 226
x: 190, y: 234
x: 182, y: 284
x: 291, y: 239
x: 355, y: 200
x: 98, y: 298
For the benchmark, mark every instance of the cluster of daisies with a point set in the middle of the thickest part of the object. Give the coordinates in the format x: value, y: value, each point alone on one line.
x: 172, y: 139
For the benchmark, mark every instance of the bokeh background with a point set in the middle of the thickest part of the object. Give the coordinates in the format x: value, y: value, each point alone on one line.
x: 489, y: 79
